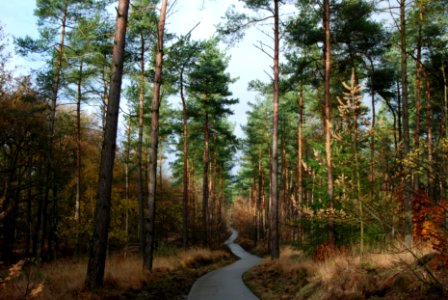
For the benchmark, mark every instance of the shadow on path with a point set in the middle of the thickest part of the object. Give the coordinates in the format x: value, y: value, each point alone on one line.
x: 226, y: 283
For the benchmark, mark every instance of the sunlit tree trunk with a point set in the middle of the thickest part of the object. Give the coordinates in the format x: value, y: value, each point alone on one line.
x: 152, y: 184
x: 327, y: 95
x: 274, y: 207
x: 97, y: 258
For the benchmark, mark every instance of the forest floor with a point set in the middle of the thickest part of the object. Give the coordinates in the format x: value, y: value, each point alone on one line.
x: 380, y: 275
x: 172, y: 277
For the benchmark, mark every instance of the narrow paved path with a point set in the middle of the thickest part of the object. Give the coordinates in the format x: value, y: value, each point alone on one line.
x: 226, y: 283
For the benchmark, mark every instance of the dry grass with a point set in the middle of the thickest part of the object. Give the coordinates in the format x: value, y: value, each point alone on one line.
x: 64, y: 279
x: 295, y: 276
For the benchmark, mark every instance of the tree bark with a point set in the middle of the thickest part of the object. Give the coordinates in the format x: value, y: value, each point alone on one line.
x: 126, y: 170
x: 205, y: 181
x: 141, y: 205
x: 327, y: 129
x: 97, y: 258
x: 185, y: 178
x: 406, y: 137
x: 78, y: 160
x: 260, y: 197
x: 372, y: 129
x: 152, y: 184
x: 274, y: 221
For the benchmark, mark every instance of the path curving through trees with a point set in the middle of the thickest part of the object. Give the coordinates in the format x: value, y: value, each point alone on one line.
x: 226, y: 283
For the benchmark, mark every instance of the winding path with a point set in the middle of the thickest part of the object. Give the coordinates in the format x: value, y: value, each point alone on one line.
x: 226, y: 283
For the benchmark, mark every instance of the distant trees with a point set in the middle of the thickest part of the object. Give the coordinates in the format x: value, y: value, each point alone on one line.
x: 209, y: 87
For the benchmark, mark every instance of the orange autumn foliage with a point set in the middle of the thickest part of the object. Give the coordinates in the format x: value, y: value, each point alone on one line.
x: 430, y: 224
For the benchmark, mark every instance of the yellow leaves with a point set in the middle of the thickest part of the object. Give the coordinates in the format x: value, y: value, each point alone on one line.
x: 16, y: 272
x: 37, y: 291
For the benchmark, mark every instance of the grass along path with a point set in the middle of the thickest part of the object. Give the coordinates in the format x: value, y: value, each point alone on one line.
x: 172, y: 277
x: 375, y: 276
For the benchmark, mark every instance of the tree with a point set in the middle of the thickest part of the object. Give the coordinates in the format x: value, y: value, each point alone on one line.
x: 209, y: 86
x: 181, y: 59
x: 236, y: 23
x: 142, y: 33
x: 97, y: 257
x: 152, y: 170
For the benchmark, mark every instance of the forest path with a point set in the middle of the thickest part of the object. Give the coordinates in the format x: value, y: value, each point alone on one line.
x: 226, y: 283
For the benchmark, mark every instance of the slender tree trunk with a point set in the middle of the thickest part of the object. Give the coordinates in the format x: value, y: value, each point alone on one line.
x: 429, y: 137
x: 160, y: 166
x: 97, y: 258
x: 29, y: 205
x: 372, y: 129
x: 445, y: 99
x: 399, y: 117
x: 300, y: 162
x: 213, y: 178
x: 327, y: 63
x: 283, y: 178
x: 105, y: 99
x: 49, y: 154
x: 152, y: 184
x: 78, y: 160
x: 220, y: 199
x: 274, y: 219
x: 141, y: 205
x: 355, y: 96
x: 185, y: 166
x: 126, y: 170
x: 205, y: 187
x: 406, y: 139
x: 260, y: 197
x: 418, y: 68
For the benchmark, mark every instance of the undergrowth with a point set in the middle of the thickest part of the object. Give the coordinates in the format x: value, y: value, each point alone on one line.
x: 124, y: 276
x: 386, y: 275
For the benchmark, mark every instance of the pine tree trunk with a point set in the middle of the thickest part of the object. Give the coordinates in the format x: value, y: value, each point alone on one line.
x: 126, y: 170
x: 260, y: 197
x: 78, y: 161
x: 327, y: 129
x: 97, y: 258
x: 140, y: 193
x: 372, y: 129
x: 406, y: 137
x: 185, y: 177
x: 274, y: 218
x: 300, y: 161
x: 435, y: 196
x: 152, y: 184
x: 205, y: 187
